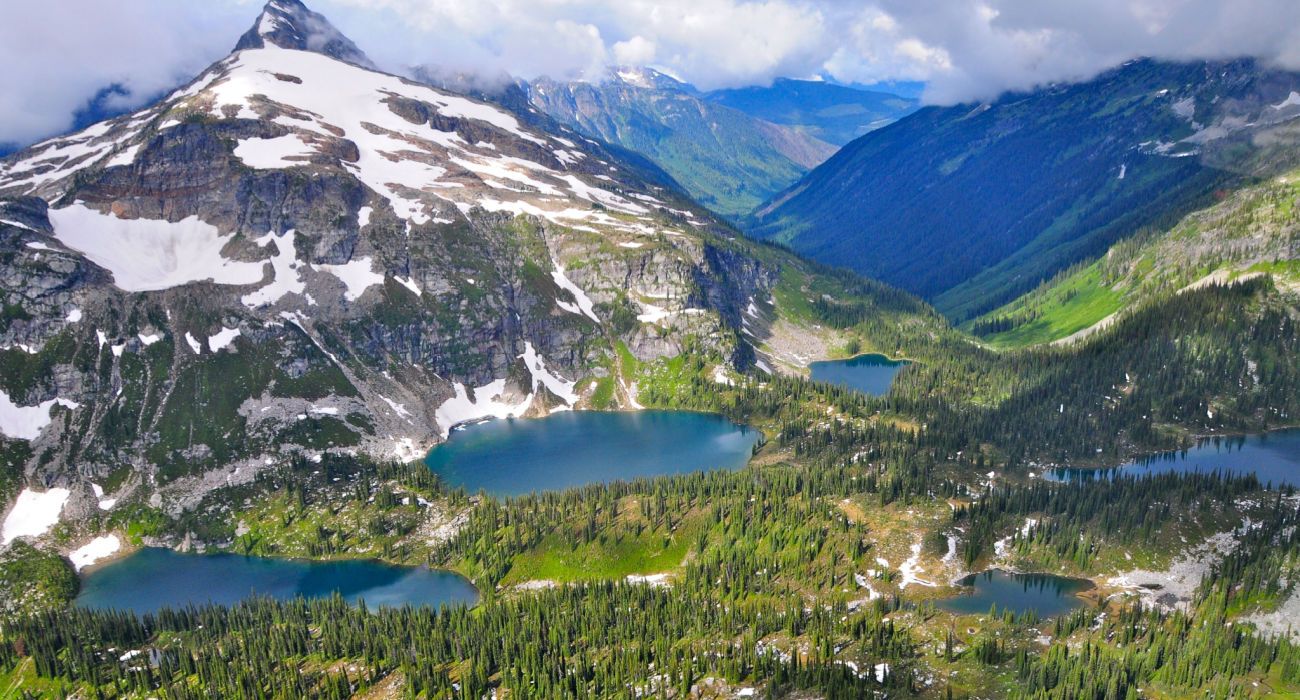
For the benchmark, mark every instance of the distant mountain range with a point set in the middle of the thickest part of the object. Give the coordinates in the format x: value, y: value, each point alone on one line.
x: 730, y: 149
x: 973, y: 205
x: 833, y: 113
x: 727, y: 160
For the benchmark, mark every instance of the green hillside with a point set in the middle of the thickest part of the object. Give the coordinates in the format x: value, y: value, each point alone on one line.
x: 974, y: 205
x: 1251, y: 232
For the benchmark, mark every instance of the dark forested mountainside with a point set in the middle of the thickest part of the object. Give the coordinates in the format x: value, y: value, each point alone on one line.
x: 972, y: 205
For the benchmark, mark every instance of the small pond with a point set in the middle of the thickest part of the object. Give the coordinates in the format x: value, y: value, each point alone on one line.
x: 870, y: 374
x: 1046, y: 594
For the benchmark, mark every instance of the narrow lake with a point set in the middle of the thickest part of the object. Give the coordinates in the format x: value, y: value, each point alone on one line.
x: 1272, y: 457
x: 1045, y: 594
x: 517, y: 456
x: 152, y: 578
x: 870, y: 374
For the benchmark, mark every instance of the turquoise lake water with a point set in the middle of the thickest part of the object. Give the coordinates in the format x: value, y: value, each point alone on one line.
x: 870, y: 374
x: 1045, y: 594
x: 518, y: 456
x: 153, y: 578
x: 1272, y: 457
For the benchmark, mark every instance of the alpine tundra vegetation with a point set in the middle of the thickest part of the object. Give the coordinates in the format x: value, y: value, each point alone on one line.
x: 248, y: 332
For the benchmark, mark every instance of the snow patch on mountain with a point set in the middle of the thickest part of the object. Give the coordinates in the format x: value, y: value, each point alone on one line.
x: 584, y: 306
x: 357, y: 275
x: 410, y: 284
x: 124, y: 157
x: 554, y: 384
x: 182, y: 252
x: 94, y: 550
x: 104, y: 503
x: 27, y: 422
x: 223, y: 338
x: 274, y: 153
x: 488, y: 402
x: 34, y: 513
x: 1292, y: 100
x: 653, y: 314
x: 284, y: 266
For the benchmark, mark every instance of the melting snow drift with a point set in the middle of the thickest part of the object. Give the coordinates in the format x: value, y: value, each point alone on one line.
x: 93, y: 551
x: 185, y: 251
x: 34, y: 513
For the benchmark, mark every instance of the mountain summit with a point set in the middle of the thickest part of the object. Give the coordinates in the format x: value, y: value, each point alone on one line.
x: 289, y: 24
x: 296, y: 254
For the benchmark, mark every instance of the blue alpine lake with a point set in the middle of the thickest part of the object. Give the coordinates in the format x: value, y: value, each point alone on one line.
x: 1045, y: 594
x: 1274, y: 458
x: 870, y: 374
x: 152, y: 578
x: 512, y: 457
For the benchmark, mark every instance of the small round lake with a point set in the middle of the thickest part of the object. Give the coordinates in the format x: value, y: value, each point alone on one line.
x: 1272, y: 457
x: 512, y: 457
x: 870, y: 374
x: 1045, y: 594
x: 153, y: 578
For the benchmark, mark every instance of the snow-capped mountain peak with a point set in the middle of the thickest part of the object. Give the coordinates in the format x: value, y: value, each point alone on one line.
x: 439, y: 257
x: 288, y: 24
x: 646, y: 78
x: 296, y: 94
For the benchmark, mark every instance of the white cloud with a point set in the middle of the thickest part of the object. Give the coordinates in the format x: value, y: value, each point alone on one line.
x: 995, y: 45
x: 59, y: 52
x: 637, y: 51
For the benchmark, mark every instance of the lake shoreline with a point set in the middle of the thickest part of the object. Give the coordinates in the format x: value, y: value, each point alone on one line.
x: 883, y: 355
x: 1224, y: 448
x: 1056, y: 594
x: 298, y: 572
x: 575, y: 449
x: 1198, y: 438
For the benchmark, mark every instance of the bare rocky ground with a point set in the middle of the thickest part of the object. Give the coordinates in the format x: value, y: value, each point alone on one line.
x: 1174, y: 587
x: 1285, y: 620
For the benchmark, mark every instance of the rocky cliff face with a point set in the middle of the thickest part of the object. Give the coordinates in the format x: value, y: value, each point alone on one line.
x: 296, y: 253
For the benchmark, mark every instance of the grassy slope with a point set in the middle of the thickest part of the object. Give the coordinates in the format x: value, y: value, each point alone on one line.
x: 1253, y: 230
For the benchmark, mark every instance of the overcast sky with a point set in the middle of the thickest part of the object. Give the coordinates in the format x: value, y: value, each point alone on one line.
x: 57, y: 53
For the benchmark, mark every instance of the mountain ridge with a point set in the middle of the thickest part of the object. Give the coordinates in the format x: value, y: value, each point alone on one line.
x: 289, y: 24
x: 828, y: 111
x: 293, y: 255
x: 972, y: 205
x: 726, y: 159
